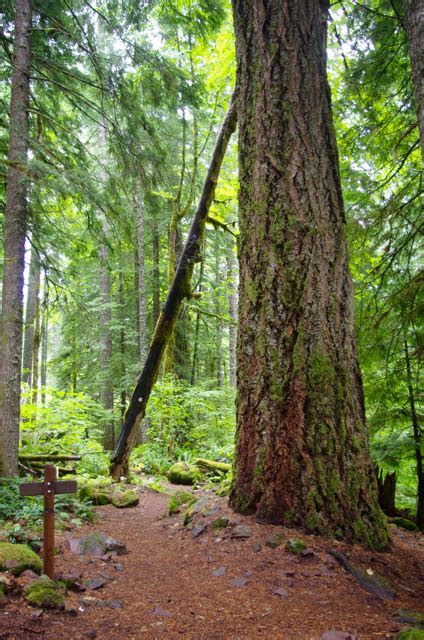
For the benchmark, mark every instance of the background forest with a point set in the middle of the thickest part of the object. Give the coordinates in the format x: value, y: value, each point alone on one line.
x: 126, y: 99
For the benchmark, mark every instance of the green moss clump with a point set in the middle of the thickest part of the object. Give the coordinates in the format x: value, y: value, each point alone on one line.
x: 220, y: 523
x: 45, y: 593
x: 410, y: 634
x: 18, y: 558
x: 98, y: 493
x: 404, y: 523
x: 124, y: 499
x: 183, y: 473
x: 295, y: 545
x: 179, y: 499
x: 275, y: 540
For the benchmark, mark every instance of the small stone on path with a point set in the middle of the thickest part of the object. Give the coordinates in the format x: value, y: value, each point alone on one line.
x: 241, y: 531
x: 198, y: 529
x: 278, y: 591
x: 95, y: 583
x: 337, y: 635
x: 238, y: 582
x: 219, y: 572
x: 162, y: 613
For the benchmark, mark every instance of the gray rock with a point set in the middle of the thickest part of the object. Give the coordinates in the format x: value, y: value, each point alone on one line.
x: 95, y: 583
x: 241, y: 531
x: 162, y: 613
x: 278, y: 591
x: 111, y: 604
x: 238, y: 582
x: 338, y: 635
x: 219, y: 572
x: 256, y: 546
x: 96, y: 544
x: 198, y: 529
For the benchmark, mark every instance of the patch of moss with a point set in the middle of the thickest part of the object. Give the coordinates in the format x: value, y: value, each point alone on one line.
x: 275, y: 540
x: 295, y: 545
x: 17, y: 558
x: 179, y: 499
x: 183, y: 473
x: 220, y: 523
x: 410, y: 634
x: 45, y: 593
x: 125, y: 499
x: 404, y: 523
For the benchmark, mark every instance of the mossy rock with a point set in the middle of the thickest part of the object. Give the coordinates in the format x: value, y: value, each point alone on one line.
x: 183, y: 473
x: 275, y: 540
x: 295, y: 545
x: 97, y: 493
x: 220, y: 523
x: 404, y: 523
x: 178, y: 499
x: 125, y: 499
x: 17, y: 558
x: 410, y: 634
x: 45, y: 593
x: 410, y: 617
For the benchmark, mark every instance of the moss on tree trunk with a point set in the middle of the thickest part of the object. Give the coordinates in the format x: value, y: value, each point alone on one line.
x: 302, y: 454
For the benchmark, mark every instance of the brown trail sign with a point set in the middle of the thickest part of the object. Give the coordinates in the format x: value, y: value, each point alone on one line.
x: 48, y: 489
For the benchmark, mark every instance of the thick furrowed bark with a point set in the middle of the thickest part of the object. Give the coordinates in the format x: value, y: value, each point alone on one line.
x: 414, y: 24
x: 302, y: 455
x: 180, y: 289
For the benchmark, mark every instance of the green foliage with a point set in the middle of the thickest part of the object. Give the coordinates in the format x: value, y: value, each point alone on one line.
x: 27, y: 512
x: 69, y: 424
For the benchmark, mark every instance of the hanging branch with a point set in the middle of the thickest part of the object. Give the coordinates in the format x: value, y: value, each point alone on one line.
x: 179, y: 290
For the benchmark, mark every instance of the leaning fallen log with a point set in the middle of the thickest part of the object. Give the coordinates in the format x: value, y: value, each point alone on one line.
x: 180, y: 289
x: 39, y: 467
x: 211, y: 466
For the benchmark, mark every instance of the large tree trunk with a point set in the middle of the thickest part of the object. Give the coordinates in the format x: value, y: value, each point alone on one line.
x: 106, y: 346
x: 180, y: 289
x: 15, y: 221
x: 232, y: 311
x: 30, y: 309
x: 302, y: 455
x: 414, y: 24
x: 417, y: 433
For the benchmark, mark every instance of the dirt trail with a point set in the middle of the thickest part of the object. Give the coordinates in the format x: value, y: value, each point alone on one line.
x: 167, y: 588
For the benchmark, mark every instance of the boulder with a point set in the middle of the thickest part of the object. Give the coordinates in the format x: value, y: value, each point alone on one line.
x: 96, y: 544
x: 183, y: 473
x: 124, y: 499
x: 17, y: 558
x: 241, y: 531
x: 97, y: 493
x: 178, y: 499
x: 45, y: 593
x: 295, y: 545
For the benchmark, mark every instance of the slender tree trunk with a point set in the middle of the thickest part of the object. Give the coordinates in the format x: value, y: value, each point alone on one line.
x: 155, y: 271
x: 106, y: 392
x: 141, y: 279
x: 386, y: 483
x: 414, y: 23
x: 232, y: 312
x: 180, y: 289
x: 122, y: 347
x: 172, y: 260
x: 44, y: 343
x: 195, y: 361
x: 302, y: 455
x: 417, y: 441
x: 15, y: 221
x: 36, y: 348
x: 218, y: 324
x: 30, y: 312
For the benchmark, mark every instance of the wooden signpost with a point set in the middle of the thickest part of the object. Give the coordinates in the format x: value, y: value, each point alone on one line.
x: 48, y: 489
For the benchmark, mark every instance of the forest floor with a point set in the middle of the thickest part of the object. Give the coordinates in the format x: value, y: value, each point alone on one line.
x: 215, y: 587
